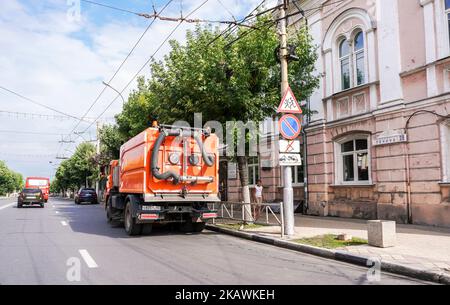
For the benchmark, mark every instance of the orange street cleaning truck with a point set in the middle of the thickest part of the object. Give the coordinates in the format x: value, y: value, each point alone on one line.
x: 166, y: 174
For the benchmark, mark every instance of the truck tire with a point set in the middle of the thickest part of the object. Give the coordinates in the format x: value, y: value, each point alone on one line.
x: 19, y: 206
x: 131, y: 227
x: 108, y: 209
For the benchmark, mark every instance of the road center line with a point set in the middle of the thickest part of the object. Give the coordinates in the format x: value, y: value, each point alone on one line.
x: 7, y: 206
x: 88, y: 259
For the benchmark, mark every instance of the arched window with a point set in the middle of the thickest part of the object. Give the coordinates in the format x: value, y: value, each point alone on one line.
x: 344, y: 58
x: 447, y: 15
x: 352, y: 61
x: 445, y: 142
x: 358, y: 49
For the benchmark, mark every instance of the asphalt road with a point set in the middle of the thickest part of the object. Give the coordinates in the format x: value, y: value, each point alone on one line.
x: 44, y: 246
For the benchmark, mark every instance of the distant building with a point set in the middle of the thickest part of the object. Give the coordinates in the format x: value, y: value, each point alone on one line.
x: 375, y: 147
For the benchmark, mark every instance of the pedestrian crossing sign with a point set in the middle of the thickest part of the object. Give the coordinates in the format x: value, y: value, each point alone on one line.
x: 289, y: 103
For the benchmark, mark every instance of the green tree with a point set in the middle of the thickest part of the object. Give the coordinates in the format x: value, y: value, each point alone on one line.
x: 80, y: 170
x: 111, y: 139
x: 223, y: 81
x: 10, y: 181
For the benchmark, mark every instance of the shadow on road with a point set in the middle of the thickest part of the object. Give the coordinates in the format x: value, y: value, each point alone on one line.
x: 91, y: 219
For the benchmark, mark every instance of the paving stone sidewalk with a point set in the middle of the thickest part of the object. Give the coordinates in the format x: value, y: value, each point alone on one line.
x: 422, y: 247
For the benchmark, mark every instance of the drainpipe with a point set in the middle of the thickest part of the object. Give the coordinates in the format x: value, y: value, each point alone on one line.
x: 408, y: 181
x: 408, y: 171
x: 305, y: 156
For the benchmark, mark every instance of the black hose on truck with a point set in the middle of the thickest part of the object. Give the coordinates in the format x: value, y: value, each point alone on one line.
x: 154, y: 160
x: 208, y: 159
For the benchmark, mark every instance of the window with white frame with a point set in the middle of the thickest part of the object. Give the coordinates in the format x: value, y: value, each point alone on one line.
x: 447, y: 16
x: 353, y: 160
x: 298, y: 176
x: 445, y: 140
x: 253, y: 170
x: 344, y: 59
x: 352, y: 61
x: 358, y: 51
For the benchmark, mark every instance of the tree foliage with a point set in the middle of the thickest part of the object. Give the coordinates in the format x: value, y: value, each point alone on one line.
x: 10, y: 181
x: 223, y: 81
x: 76, y: 171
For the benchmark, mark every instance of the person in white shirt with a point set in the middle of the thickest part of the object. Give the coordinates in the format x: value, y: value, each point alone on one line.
x: 258, y: 198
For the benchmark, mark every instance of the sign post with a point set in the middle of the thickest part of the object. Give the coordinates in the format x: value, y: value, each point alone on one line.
x: 290, y: 127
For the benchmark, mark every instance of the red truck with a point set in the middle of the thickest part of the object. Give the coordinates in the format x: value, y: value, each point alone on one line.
x: 166, y: 174
x: 41, y: 183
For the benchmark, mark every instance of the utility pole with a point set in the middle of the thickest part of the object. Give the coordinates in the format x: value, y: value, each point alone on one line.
x: 97, y: 182
x: 288, y: 192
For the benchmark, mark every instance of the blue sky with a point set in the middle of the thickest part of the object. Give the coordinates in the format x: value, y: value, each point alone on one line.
x: 60, y: 62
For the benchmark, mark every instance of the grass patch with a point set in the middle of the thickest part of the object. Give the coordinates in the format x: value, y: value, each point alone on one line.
x: 237, y: 226
x: 330, y: 241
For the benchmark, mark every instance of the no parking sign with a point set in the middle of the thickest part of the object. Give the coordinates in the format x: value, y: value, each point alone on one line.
x: 290, y: 126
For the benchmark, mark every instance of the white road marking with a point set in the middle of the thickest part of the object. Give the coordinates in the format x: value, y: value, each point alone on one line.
x: 88, y: 259
x: 7, y: 206
x: 57, y: 212
x: 64, y: 223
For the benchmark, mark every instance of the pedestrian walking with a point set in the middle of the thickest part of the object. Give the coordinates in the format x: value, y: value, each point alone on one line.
x: 258, y: 194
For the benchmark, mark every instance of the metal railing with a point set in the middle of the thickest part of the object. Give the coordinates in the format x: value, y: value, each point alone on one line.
x: 257, y: 213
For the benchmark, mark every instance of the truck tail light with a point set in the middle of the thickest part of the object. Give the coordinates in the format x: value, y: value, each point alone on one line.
x: 209, y: 215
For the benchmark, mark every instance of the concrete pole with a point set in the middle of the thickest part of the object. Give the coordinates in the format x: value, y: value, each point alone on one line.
x: 97, y: 183
x: 288, y: 192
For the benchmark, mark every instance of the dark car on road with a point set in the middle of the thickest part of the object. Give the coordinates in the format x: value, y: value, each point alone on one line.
x: 86, y: 195
x: 30, y: 196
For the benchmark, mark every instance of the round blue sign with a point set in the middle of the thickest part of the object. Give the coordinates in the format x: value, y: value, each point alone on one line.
x: 290, y: 127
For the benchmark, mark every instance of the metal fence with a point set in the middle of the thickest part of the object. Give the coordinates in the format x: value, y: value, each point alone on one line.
x: 257, y: 213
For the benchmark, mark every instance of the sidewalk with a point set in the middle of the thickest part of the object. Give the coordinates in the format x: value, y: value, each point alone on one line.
x: 421, y: 247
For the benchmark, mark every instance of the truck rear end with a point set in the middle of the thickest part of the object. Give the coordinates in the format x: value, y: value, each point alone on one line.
x: 165, y: 174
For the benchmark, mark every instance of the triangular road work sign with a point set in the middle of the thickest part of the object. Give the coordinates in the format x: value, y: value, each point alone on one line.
x: 289, y: 103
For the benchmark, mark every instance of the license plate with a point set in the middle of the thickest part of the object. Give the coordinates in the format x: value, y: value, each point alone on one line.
x: 151, y: 208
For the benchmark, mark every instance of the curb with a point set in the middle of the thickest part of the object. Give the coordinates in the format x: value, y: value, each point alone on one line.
x: 430, y: 276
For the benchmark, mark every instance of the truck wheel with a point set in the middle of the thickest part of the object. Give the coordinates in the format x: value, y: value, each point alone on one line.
x: 19, y: 206
x: 109, y: 211
x: 131, y: 227
x: 42, y: 205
